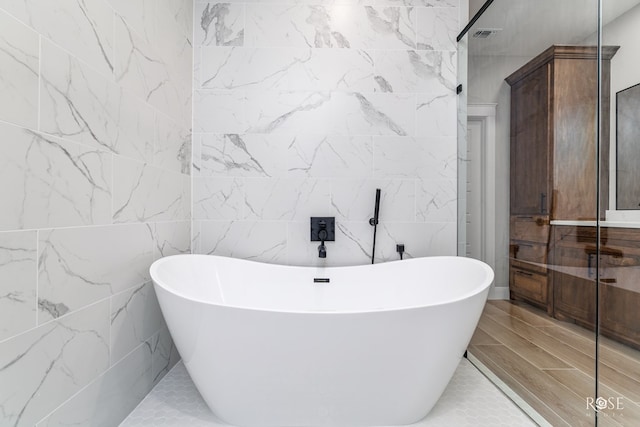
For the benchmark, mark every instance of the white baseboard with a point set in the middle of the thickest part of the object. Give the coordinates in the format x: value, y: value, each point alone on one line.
x: 500, y: 292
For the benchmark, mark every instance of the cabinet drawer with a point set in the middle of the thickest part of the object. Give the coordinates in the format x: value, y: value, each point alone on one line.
x: 529, y: 285
x: 528, y: 251
x: 533, y: 228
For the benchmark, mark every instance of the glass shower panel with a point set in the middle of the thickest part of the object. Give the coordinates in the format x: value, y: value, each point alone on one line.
x: 618, y: 366
x: 537, y: 63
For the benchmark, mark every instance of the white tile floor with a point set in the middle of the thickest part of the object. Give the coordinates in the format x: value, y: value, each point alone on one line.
x: 469, y: 400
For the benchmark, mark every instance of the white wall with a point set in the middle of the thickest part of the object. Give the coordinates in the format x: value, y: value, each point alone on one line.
x: 95, y: 120
x: 304, y: 110
x: 487, y: 85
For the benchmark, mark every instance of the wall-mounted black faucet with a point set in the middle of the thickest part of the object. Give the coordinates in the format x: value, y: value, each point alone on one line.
x: 323, y: 229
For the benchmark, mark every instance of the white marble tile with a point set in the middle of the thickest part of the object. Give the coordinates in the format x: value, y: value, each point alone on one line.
x: 76, y: 102
x: 219, y: 112
x: 415, y: 71
x: 351, y: 246
x: 436, y: 200
x: 411, y: 158
x: 18, y: 282
x: 286, y: 69
x: 139, y: 16
x: 332, y: 156
x: 54, y: 183
x: 143, y: 193
x: 335, y: 26
x: 78, y: 266
x: 42, y: 368
x: 255, y: 240
x: 247, y: 155
x: 438, y: 28
x: 63, y: 21
x: 436, y: 115
x: 164, y: 354
x: 219, y: 24
x: 425, y: 3
x: 419, y: 239
x: 354, y: 199
x: 171, y: 238
x: 19, y: 62
x: 136, y: 128
x: 286, y: 198
x: 174, y: 43
x: 333, y: 113
x: 138, y: 67
x: 111, y: 397
x: 173, y: 146
x: 135, y: 318
x: 219, y: 198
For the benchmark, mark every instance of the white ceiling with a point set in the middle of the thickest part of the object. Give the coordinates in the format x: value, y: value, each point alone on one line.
x: 531, y: 26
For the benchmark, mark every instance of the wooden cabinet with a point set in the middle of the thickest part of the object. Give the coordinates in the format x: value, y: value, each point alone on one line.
x: 573, y: 267
x: 619, y: 285
x: 554, y: 100
x: 572, y: 270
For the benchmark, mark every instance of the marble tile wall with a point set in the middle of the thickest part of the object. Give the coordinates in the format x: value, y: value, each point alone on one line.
x: 95, y: 165
x: 304, y: 107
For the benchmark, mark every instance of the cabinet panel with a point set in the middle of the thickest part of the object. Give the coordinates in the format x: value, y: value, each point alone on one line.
x: 528, y: 285
x: 532, y: 228
x: 530, y: 150
x: 574, y: 275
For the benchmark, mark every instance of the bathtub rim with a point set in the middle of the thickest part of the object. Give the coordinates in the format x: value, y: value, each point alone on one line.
x: 474, y: 292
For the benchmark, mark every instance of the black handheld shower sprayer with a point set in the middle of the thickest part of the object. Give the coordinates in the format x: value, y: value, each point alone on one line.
x: 374, y: 222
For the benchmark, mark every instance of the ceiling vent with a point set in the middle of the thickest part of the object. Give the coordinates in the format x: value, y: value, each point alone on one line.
x: 486, y: 33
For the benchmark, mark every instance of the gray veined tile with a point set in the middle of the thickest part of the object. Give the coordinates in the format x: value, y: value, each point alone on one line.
x: 243, y: 155
x: 141, y: 68
x: 54, y: 183
x: 254, y: 240
x: 18, y: 279
x: 135, y: 318
x: 171, y: 238
x: 164, y: 354
x: 173, y: 146
x: 145, y: 193
x: 436, y: 115
x: 286, y: 69
x: 425, y: 3
x: 219, y: 24
x: 74, y: 271
x: 219, y: 198
x: 340, y: 25
x: 331, y: 156
x: 331, y: 113
x: 19, y: 62
x: 219, y: 111
x: 286, y: 198
x: 51, y: 363
x: 110, y: 397
x: 76, y: 102
x: 138, y: 67
x: 416, y: 71
x: 437, y: 28
x: 62, y: 21
x: 354, y: 199
x: 436, y: 200
x: 413, y: 158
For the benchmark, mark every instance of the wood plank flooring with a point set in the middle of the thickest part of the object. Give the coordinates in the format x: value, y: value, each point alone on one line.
x: 551, y: 365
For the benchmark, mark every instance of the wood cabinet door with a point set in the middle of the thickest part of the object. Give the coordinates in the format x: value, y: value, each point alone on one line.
x: 530, y: 143
x: 574, y: 279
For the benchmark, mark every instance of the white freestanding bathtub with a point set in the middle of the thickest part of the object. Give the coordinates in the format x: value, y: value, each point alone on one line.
x: 267, y: 346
